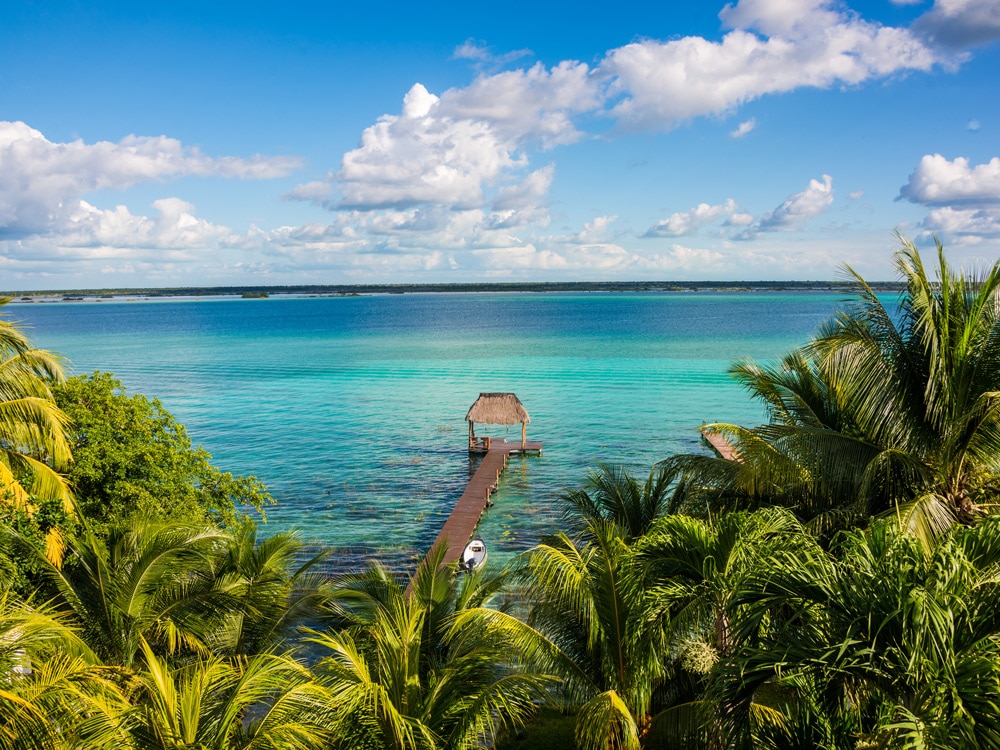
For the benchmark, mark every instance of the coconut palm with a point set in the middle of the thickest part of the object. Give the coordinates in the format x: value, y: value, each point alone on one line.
x: 590, y: 602
x: 52, y: 692
x: 432, y: 669
x: 884, y: 411
x: 275, y: 591
x: 148, y: 581
x: 612, y: 495
x: 33, y: 444
x: 693, y: 568
x: 265, y: 701
x: 877, y: 643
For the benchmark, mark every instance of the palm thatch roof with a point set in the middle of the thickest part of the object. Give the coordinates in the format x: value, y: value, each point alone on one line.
x: 497, y: 408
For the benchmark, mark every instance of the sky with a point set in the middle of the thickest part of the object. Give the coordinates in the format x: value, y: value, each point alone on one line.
x: 223, y: 144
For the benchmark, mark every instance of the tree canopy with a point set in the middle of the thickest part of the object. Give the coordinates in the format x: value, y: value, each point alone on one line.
x: 132, y: 458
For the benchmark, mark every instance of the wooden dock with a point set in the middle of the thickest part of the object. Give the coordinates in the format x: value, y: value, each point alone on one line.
x: 720, y: 445
x: 461, y: 524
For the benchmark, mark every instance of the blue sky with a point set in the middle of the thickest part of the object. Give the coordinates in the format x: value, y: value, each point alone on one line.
x: 227, y: 144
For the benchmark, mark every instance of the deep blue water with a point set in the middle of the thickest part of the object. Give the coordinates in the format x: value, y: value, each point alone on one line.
x: 351, y: 409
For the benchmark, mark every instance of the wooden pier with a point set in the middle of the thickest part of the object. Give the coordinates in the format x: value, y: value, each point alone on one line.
x: 461, y: 524
x: 720, y: 445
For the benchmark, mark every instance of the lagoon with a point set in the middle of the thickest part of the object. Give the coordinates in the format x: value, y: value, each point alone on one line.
x: 351, y: 409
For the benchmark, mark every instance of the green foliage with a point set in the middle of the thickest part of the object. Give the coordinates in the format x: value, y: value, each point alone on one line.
x: 549, y: 730
x: 33, y: 441
x: 875, y: 642
x: 883, y: 412
x: 133, y: 459
x: 608, y: 641
x: 205, y: 704
x: 430, y: 668
x: 36, y: 525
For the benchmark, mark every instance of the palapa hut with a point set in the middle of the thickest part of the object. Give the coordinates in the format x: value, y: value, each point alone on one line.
x: 496, y: 408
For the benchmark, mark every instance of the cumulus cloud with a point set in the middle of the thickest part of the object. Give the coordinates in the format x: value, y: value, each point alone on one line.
x: 463, y: 147
x: 739, y: 219
x: 176, y: 227
x: 936, y: 181
x: 472, y: 148
x: 41, y: 182
x: 959, y: 24
x: 174, y: 234
x: 963, y: 222
x: 799, y: 208
x: 688, y: 222
x: 774, y: 47
x: 529, y: 192
x: 965, y: 199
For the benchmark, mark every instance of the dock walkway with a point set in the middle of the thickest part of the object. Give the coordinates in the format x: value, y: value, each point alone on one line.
x: 464, y: 518
x: 720, y: 445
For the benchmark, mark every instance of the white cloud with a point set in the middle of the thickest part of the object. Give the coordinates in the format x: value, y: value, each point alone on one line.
x: 739, y: 220
x: 480, y: 52
x: 810, y: 44
x: 688, y: 222
x: 968, y: 222
x: 472, y: 147
x: 745, y: 127
x: 417, y: 157
x: 41, y: 182
x: 965, y: 199
x: 939, y: 182
x: 959, y: 24
x: 794, y: 19
x: 532, y: 105
x: 530, y: 192
x: 176, y: 227
x: 973, y: 125
x: 687, y: 259
x: 799, y: 208
x: 594, y: 232
x: 459, y: 148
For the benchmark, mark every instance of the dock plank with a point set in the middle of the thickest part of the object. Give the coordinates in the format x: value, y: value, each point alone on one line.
x: 720, y: 445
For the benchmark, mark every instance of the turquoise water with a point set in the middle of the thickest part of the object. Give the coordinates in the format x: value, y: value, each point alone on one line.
x: 351, y: 409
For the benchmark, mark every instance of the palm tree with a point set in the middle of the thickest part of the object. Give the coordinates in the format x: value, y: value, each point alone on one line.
x: 608, y: 644
x: 434, y: 669
x: 612, y: 495
x: 882, y: 412
x: 152, y: 582
x: 53, y: 694
x: 275, y: 590
x: 265, y: 701
x: 33, y: 444
x: 877, y: 643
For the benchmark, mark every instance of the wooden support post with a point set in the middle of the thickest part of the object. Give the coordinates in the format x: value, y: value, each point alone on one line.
x: 524, y: 434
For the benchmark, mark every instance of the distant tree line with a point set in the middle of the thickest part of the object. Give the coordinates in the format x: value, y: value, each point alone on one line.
x: 554, y: 286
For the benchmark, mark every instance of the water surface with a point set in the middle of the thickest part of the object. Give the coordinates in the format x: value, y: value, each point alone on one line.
x: 351, y: 409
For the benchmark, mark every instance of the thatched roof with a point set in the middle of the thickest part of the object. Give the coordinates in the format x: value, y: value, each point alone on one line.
x: 497, y: 408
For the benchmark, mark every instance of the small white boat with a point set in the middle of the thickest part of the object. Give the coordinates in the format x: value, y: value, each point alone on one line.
x: 474, y: 556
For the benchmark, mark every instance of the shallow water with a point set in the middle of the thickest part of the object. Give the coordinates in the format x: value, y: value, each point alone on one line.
x: 351, y: 409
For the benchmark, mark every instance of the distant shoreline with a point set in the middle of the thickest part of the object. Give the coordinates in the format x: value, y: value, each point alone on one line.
x: 349, y: 290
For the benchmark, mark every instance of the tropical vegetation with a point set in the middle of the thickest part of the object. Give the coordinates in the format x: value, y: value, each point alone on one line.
x: 835, y: 586
x: 886, y: 410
